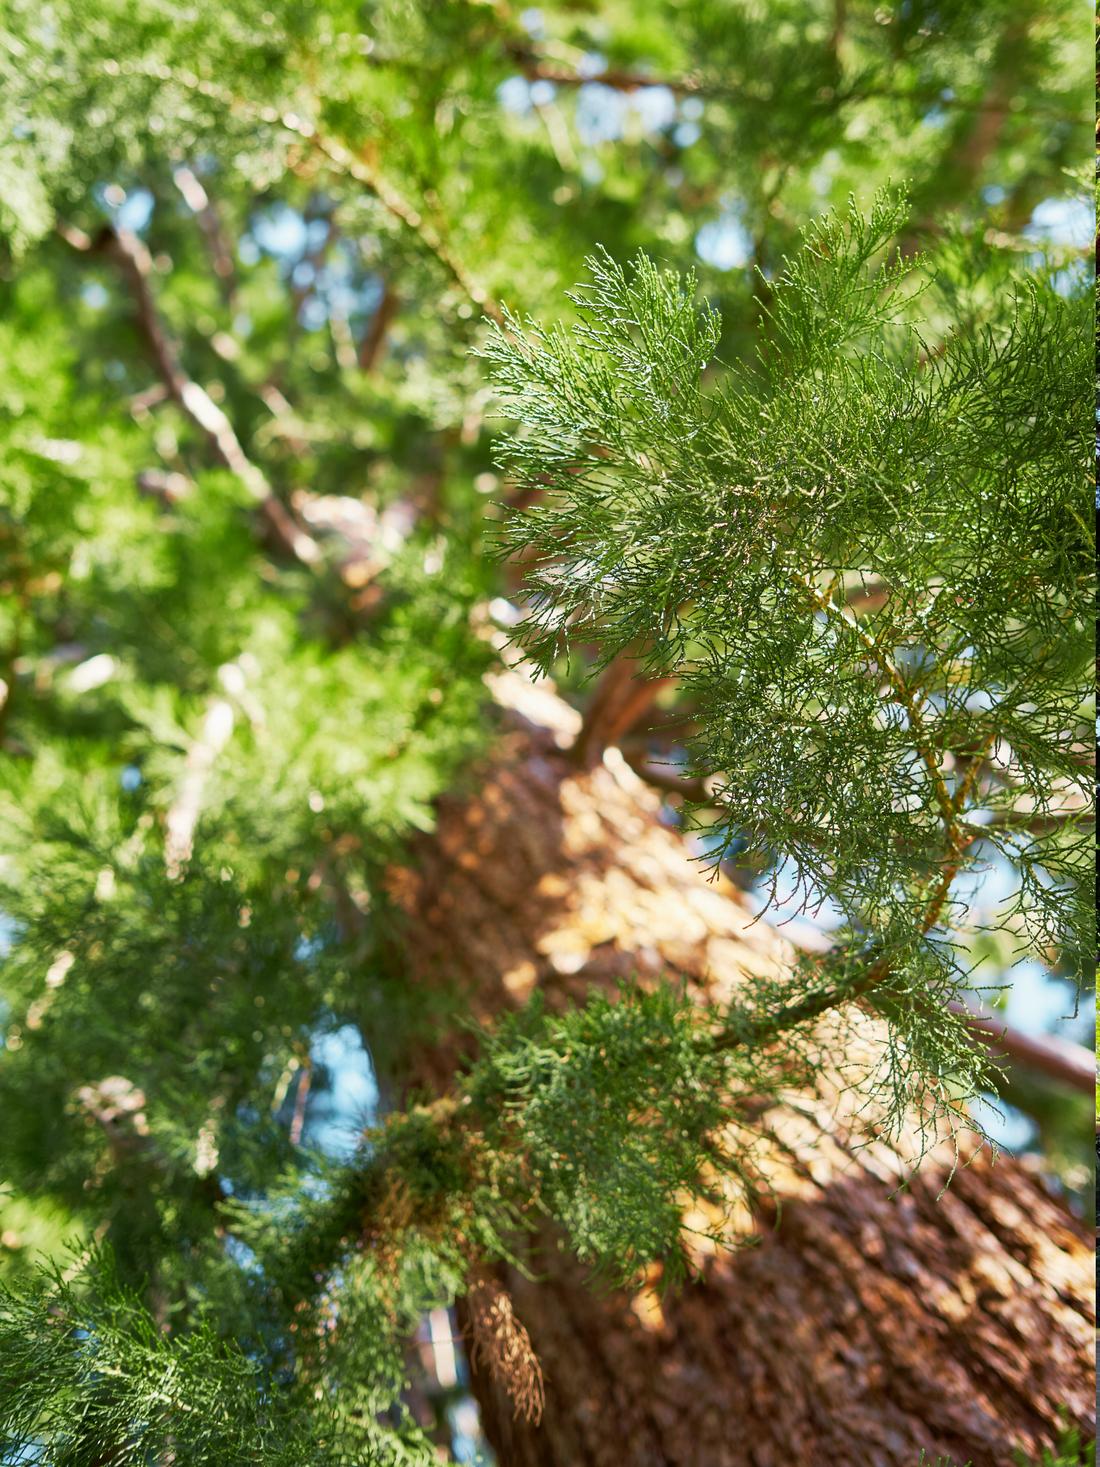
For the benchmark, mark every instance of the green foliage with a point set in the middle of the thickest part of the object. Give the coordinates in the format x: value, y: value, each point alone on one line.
x: 214, y: 745
x: 620, y: 1115
x: 614, y: 1112
x: 88, y: 1373
x: 1070, y: 1451
x: 733, y: 537
x: 30, y: 1228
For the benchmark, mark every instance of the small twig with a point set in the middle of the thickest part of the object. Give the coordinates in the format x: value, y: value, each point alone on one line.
x: 1068, y: 1063
x: 535, y: 68
x: 305, y: 1073
x: 811, y: 1007
x: 1038, y: 825
x: 360, y: 169
x: 365, y: 173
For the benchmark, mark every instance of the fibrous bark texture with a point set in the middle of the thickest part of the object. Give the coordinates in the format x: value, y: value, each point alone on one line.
x: 861, y: 1330
x: 862, y: 1326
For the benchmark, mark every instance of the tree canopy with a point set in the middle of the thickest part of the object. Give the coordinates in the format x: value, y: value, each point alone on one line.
x: 274, y: 404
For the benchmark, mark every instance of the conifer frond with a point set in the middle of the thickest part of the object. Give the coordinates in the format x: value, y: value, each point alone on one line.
x: 884, y: 744
x: 89, y: 1376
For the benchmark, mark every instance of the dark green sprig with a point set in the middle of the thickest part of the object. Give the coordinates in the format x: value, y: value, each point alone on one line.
x: 90, y: 1376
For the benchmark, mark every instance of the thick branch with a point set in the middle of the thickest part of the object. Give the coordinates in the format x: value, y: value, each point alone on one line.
x: 1070, y: 1064
x: 809, y: 1008
x: 661, y: 777
x: 620, y: 698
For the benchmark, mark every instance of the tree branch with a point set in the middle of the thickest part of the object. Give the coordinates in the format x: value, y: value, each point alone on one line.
x: 536, y: 68
x: 370, y: 348
x: 1060, y: 1059
x: 221, y: 257
x: 622, y: 694
x: 305, y: 1074
x: 1070, y: 1064
x: 132, y: 260
x: 662, y: 778
x: 366, y: 174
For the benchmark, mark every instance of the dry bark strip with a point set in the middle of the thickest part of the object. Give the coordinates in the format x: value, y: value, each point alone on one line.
x: 862, y: 1328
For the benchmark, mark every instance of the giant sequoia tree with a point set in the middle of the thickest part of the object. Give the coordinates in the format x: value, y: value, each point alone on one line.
x: 804, y: 542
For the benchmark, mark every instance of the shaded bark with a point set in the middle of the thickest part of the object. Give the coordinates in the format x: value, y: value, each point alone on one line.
x: 860, y: 1331
x: 864, y: 1326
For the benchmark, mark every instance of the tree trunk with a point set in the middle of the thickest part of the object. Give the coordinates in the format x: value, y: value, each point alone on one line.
x: 864, y: 1326
x: 860, y: 1331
